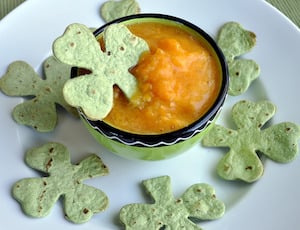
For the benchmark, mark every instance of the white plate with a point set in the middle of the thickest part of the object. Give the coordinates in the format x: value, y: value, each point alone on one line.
x: 271, y: 203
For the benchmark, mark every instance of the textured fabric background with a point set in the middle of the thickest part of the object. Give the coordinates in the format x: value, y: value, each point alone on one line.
x: 290, y: 8
x: 7, y: 5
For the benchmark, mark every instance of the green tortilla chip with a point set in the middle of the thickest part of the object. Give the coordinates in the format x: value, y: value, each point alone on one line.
x: 93, y: 92
x: 235, y: 41
x: 37, y: 196
x: 40, y: 111
x: 278, y: 142
x: 113, y: 9
x: 242, y: 73
x: 198, y: 202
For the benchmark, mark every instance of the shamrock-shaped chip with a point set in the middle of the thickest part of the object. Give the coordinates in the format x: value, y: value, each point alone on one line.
x: 277, y: 142
x: 113, y: 9
x: 235, y: 41
x: 198, y: 202
x: 93, y: 92
x: 40, y: 111
x: 38, y: 195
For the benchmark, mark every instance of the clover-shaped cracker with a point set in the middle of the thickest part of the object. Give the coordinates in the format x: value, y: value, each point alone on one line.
x: 38, y: 195
x: 93, y: 92
x: 278, y: 142
x: 40, y: 111
x: 198, y: 201
x: 113, y: 9
x: 235, y: 41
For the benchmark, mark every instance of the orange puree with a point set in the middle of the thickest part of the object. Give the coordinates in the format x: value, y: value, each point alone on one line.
x: 178, y: 81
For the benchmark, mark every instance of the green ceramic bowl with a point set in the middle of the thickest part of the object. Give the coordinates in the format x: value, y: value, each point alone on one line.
x: 166, y: 145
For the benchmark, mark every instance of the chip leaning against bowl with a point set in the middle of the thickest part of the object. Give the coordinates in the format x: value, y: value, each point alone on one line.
x: 178, y: 82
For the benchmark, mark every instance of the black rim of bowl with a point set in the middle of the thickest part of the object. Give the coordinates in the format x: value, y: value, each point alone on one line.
x: 166, y: 139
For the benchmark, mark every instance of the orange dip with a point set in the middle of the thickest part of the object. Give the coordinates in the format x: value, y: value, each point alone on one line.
x: 178, y: 81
